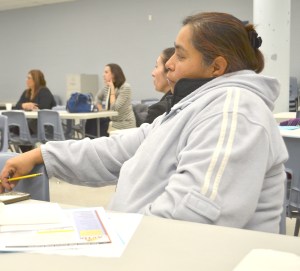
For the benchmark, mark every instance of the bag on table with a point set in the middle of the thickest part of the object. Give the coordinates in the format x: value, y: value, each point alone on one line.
x: 290, y: 122
x: 80, y: 102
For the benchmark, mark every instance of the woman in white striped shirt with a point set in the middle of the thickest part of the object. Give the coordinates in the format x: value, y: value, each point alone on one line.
x: 117, y: 97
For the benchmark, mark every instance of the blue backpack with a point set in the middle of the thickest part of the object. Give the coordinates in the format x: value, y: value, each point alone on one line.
x: 80, y: 102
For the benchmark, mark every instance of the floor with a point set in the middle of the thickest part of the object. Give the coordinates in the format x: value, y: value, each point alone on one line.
x: 70, y: 194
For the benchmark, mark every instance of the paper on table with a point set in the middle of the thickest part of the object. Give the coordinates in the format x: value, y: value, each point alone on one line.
x: 289, y: 127
x: 81, y: 227
x: 64, y: 238
x: 22, y: 214
x: 269, y: 260
x: 122, y: 227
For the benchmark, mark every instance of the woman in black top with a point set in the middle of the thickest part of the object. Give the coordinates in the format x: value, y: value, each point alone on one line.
x: 161, y: 84
x: 36, y: 96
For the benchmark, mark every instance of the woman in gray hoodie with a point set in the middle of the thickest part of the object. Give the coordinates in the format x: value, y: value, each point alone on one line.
x: 215, y: 157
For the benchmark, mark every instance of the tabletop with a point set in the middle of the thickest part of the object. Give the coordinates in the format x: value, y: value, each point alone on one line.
x: 165, y: 244
x: 282, y: 116
x: 75, y: 116
x: 291, y: 133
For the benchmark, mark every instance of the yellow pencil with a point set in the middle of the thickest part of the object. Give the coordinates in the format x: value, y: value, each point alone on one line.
x: 24, y: 177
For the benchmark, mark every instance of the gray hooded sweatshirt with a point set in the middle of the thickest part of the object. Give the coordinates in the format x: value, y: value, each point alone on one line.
x: 217, y: 157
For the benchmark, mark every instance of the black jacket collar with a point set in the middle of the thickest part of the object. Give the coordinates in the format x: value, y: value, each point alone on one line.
x: 183, y: 88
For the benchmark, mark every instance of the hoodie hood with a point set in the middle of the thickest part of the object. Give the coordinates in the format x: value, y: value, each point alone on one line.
x: 267, y: 88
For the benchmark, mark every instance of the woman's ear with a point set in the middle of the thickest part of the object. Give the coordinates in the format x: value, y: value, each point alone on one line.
x: 219, y: 66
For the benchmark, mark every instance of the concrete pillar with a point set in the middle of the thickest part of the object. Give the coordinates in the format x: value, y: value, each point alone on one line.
x: 272, y: 20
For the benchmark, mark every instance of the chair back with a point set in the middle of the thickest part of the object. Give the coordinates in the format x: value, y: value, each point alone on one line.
x: 140, y: 112
x: 282, y: 224
x: 57, y: 99
x: 3, y: 134
x: 149, y: 101
x: 294, y: 94
x: 293, y: 164
x: 37, y: 187
x: 19, y: 133
x: 49, y: 126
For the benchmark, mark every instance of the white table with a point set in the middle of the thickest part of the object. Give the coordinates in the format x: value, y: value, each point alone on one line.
x: 162, y: 244
x: 75, y: 116
x: 282, y: 116
x: 291, y: 133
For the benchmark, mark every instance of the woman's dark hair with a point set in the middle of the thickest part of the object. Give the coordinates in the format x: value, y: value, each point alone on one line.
x: 119, y: 77
x: 219, y: 34
x: 166, y: 55
x: 39, y: 82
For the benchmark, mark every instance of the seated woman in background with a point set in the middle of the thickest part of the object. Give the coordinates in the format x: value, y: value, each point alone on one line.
x: 117, y: 97
x: 36, y: 96
x: 161, y: 84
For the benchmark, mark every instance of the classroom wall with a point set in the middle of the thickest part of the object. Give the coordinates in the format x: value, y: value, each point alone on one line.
x: 83, y: 36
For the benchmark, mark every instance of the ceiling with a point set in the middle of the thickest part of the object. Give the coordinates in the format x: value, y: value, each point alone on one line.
x: 14, y: 4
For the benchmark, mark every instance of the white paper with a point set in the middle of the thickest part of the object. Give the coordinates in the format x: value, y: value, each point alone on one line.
x: 22, y: 214
x: 124, y: 225
x: 82, y: 227
x: 62, y: 236
x: 269, y: 260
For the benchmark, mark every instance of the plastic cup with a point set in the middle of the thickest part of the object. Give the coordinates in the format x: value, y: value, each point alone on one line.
x: 8, y: 106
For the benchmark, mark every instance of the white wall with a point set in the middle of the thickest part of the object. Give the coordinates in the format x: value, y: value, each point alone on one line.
x: 83, y: 36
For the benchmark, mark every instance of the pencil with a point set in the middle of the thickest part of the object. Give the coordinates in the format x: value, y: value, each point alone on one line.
x: 24, y: 177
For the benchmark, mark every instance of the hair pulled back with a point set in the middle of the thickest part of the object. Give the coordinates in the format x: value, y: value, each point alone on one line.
x: 219, y: 34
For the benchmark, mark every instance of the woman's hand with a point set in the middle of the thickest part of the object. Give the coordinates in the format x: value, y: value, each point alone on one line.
x: 18, y: 166
x: 30, y: 106
x: 111, y: 85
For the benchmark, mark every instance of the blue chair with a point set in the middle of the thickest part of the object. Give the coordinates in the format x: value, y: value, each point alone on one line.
x: 37, y: 187
x: 3, y: 134
x: 49, y: 126
x: 293, y: 186
x: 19, y: 133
